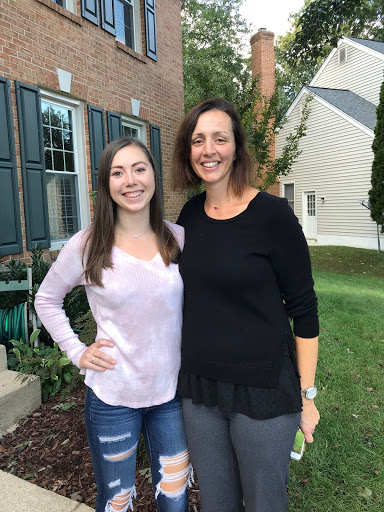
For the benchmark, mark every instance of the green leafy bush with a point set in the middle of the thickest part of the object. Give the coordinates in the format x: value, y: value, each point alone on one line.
x: 86, y: 326
x: 57, y: 373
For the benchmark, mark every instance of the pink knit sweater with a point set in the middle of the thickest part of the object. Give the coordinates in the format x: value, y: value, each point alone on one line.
x: 139, y: 310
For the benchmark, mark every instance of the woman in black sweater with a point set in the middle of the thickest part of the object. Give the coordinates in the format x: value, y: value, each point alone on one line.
x: 247, y: 383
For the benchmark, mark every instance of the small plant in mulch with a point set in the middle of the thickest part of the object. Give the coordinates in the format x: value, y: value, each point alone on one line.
x: 57, y: 373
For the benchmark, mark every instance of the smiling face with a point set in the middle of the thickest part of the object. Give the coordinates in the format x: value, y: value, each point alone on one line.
x: 213, y: 148
x: 131, y: 180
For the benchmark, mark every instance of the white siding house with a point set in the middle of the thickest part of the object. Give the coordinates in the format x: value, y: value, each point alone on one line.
x: 333, y: 172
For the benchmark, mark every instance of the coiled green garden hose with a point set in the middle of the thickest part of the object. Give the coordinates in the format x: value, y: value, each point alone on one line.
x: 12, y: 323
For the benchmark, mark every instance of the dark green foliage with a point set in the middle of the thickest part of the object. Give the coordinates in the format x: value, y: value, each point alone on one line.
x: 86, y: 326
x: 376, y: 194
x: 76, y: 303
x: 57, y: 374
x: 323, y: 22
x: 39, y: 266
x: 16, y: 271
x: 261, y: 123
x: 213, y: 62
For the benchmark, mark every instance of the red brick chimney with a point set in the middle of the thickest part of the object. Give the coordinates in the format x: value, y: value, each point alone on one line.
x: 263, y: 67
x: 263, y: 60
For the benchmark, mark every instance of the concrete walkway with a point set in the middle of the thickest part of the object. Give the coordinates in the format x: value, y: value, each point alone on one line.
x: 18, y: 495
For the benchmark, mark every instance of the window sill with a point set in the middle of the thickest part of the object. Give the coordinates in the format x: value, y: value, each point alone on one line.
x: 61, y: 10
x: 131, y: 52
x: 57, y: 245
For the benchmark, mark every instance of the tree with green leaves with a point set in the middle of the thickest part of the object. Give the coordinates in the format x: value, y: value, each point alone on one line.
x: 215, y: 65
x: 315, y: 31
x: 376, y: 194
x: 213, y: 59
x: 261, y: 124
x: 323, y: 22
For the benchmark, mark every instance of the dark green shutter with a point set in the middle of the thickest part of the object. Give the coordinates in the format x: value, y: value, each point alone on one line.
x: 10, y: 222
x: 114, y: 126
x: 150, y: 28
x: 108, y: 16
x: 96, y: 125
x: 32, y: 165
x: 155, y: 141
x: 90, y: 10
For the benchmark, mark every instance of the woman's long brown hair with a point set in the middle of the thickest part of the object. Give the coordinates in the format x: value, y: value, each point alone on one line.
x: 99, y: 241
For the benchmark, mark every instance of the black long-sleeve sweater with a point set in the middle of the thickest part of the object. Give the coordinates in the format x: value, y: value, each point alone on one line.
x: 243, y: 278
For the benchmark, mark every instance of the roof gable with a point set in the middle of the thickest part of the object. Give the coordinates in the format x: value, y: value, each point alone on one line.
x: 375, y: 48
x: 351, y: 104
x: 342, y: 106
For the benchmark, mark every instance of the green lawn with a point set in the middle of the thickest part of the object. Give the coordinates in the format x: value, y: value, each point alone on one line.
x: 343, y: 470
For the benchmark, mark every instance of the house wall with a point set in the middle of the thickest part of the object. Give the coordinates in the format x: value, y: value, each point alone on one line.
x: 361, y: 74
x: 38, y: 36
x: 336, y: 163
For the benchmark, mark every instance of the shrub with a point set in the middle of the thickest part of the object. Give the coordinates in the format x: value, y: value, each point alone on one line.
x: 57, y: 373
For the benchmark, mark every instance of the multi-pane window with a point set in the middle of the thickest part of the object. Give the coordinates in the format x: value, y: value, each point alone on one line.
x: 62, y: 176
x: 311, y: 205
x: 130, y: 131
x: 133, y: 127
x: 70, y: 5
x: 125, y: 25
x: 289, y: 193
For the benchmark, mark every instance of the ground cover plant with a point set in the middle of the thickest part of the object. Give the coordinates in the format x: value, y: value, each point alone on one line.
x: 342, y: 471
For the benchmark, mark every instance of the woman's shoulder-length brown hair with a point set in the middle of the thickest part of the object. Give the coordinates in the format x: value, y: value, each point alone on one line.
x: 183, y: 176
x: 99, y: 242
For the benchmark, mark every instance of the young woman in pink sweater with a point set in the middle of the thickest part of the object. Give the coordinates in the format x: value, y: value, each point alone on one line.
x: 128, y: 262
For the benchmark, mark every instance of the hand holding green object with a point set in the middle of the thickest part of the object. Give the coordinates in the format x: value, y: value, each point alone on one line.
x: 298, y: 446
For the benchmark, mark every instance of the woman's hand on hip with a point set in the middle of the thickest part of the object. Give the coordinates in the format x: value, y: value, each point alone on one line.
x: 309, y: 419
x: 95, y: 359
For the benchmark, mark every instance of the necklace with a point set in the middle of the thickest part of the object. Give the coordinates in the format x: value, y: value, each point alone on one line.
x: 129, y: 234
x: 138, y: 236
x: 221, y: 204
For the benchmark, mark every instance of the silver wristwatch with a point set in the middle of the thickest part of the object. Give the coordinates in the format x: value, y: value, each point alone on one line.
x: 309, y: 393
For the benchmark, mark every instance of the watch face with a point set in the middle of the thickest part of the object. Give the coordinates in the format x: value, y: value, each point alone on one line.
x: 311, y: 393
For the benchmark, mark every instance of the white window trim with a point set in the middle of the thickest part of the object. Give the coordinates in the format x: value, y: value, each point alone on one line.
x: 339, y: 52
x: 138, y: 46
x: 137, y: 23
x: 80, y: 160
x: 70, y: 5
x: 135, y: 123
x: 294, y: 192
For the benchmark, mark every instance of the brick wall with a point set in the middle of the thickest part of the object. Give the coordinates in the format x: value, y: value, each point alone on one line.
x: 263, y: 67
x: 38, y: 36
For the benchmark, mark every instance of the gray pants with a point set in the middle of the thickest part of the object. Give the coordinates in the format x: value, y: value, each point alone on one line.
x: 239, y: 460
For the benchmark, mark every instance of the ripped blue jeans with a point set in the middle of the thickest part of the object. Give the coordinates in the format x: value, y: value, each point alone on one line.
x: 113, y: 434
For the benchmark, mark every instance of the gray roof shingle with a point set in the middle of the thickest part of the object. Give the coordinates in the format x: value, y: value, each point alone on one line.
x: 350, y: 103
x: 378, y: 46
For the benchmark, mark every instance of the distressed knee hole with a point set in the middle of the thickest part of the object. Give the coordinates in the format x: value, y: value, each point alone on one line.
x: 118, y: 457
x: 176, y: 474
x: 121, y: 501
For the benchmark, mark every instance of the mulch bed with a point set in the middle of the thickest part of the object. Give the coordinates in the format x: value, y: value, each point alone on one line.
x: 49, y: 448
